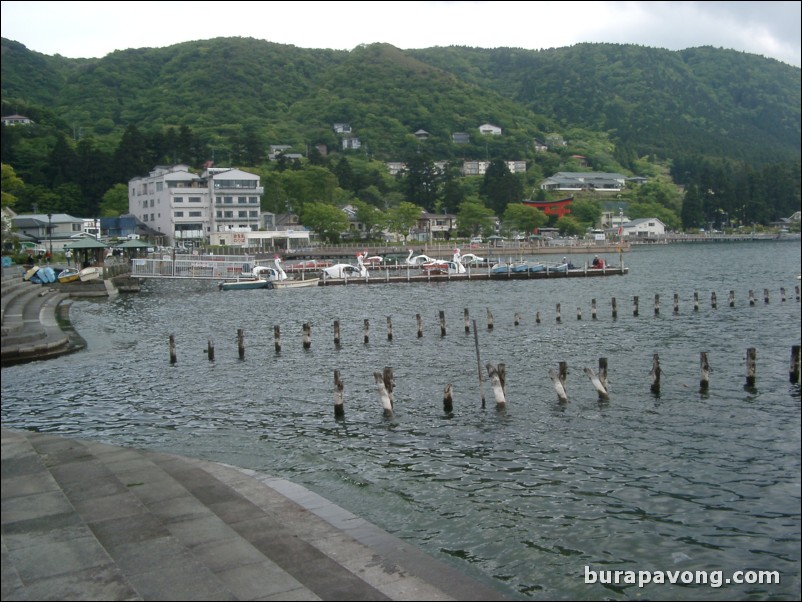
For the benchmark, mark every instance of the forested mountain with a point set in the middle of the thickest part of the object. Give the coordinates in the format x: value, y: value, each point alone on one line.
x: 704, y: 114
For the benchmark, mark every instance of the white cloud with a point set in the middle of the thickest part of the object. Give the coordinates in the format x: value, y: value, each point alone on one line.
x: 91, y: 29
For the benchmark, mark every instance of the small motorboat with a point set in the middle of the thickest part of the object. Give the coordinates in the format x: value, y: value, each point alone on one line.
x: 90, y: 273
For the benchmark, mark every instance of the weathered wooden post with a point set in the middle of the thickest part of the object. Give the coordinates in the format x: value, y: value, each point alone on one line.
x: 307, y: 338
x: 366, y: 331
x: 765, y: 295
x: 704, y: 380
x: 732, y: 298
x: 241, y: 342
x: 563, y: 371
x: 389, y: 383
x: 502, y: 377
x: 478, y: 363
x: 466, y: 321
x: 495, y: 381
x: 559, y: 318
x: 337, y: 333
x: 593, y: 309
x: 419, y: 320
x: 517, y: 318
x: 713, y: 301
x: 448, y: 399
x: 751, y: 356
x: 796, y: 290
x: 655, y: 373
x: 559, y: 387
x: 793, y: 372
x: 384, y: 398
x: 695, y: 301
x: 210, y: 350
x: 751, y: 297
x: 782, y: 294
x: 277, y: 337
x: 597, y: 384
x: 339, y: 388
x: 537, y: 317
x: 442, y: 323
x: 657, y: 305
x: 173, y: 354
x: 615, y: 309
x: 676, y: 303
x: 389, y: 328
x: 578, y: 313
x: 635, y: 308
x: 489, y: 319
x: 603, y: 371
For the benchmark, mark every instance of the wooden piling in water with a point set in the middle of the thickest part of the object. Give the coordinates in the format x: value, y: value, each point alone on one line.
x: 695, y: 301
x: 732, y: 298
x: 793, y: 372
x: 751, y: 370
x: 559, y: 387
x: 593, y: 309
x: 655, y: 374
x: 489, y: 319
x: 339, y: 394
x: 442, y: 323
x: 384, y: 397
x: 366, y: 331
x: 210, y: 350
x: 597, y: 384
x: 559, y: 318
x: 337, y: 333
x: 578, y: 313
x: 676, y: 303
x: 713, y: 300
x: 517, y: 318
x: 389, y: 328
x: 603, y: 371
x: 307, y: 338
x: 241, y: 342
x: 796, y: 291
x: 704, y: 367
x: 657, y: 305
x: 537, y: 317
x: 478, y: 363
x: 448, y: 399
x: 782, y: 294
x: 466, y: 320
x: 635, y: 306
x: 751, y: 297
x: 498, y: 389
x: 277, y: 337
x: 173, y: 353
x: 765, y: 295
x: 389, y: 383
x: 419, y: 321
x: 615, y: 308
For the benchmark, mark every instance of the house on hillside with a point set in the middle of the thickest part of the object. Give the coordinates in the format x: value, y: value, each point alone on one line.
x: 16, y: 120
x: 341, y: 128
x: 488, y: 129
x: 351, y: 143
x: 51, y: 230
x: 460, y: 138
x: 434, y: 226
x: 421, y: 134
x: 591, y: 180
x: 540, y: 146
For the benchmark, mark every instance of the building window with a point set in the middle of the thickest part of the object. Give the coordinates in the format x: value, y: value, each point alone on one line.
x: 253, y: 200
x: 241, y: 200
x: 228, y: 214
x: 228, y: 200
x: 159, y: 186
x: 194, y: 199
x: 195, y: 214
x: 253, y: 214
x: 242, y: 214
x: 178, y: 199
x: 179, y: 214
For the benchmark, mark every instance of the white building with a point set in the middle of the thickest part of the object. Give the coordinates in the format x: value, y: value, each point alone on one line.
x: 186, y: 208
x: 645, y: 227
x: 488, y: 129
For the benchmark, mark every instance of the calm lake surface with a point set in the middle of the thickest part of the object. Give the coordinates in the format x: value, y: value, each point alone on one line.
x: 524, y: 498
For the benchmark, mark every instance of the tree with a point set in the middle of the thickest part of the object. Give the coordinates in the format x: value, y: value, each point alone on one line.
x: 11, y: 185
x: 402, y: 218
x: 692, y: 214
x: 569, y: 226
x: 473, y: 218
x: 500, y: 187
x: 420, y: 182
x: 586, y: 212
x: 114, y: 202
x: 327, y: 220
x: 373, y: 219
x: 523, y: 218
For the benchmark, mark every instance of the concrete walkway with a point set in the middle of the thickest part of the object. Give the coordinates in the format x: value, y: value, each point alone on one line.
x: 87, y: 521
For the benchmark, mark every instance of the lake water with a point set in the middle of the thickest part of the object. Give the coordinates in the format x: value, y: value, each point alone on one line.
x: 525, y: 498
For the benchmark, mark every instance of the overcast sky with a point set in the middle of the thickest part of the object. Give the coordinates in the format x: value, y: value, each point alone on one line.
x: 94, y: 29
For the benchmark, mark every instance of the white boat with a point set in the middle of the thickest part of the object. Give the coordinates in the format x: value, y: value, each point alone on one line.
x: 346, y: 270
x: 292, y: 283
x: 90, y: 273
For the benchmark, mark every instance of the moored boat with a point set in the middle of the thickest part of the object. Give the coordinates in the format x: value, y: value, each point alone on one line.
x: 299, y: 283
x: 69, y: 275
x: 90, y: 273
